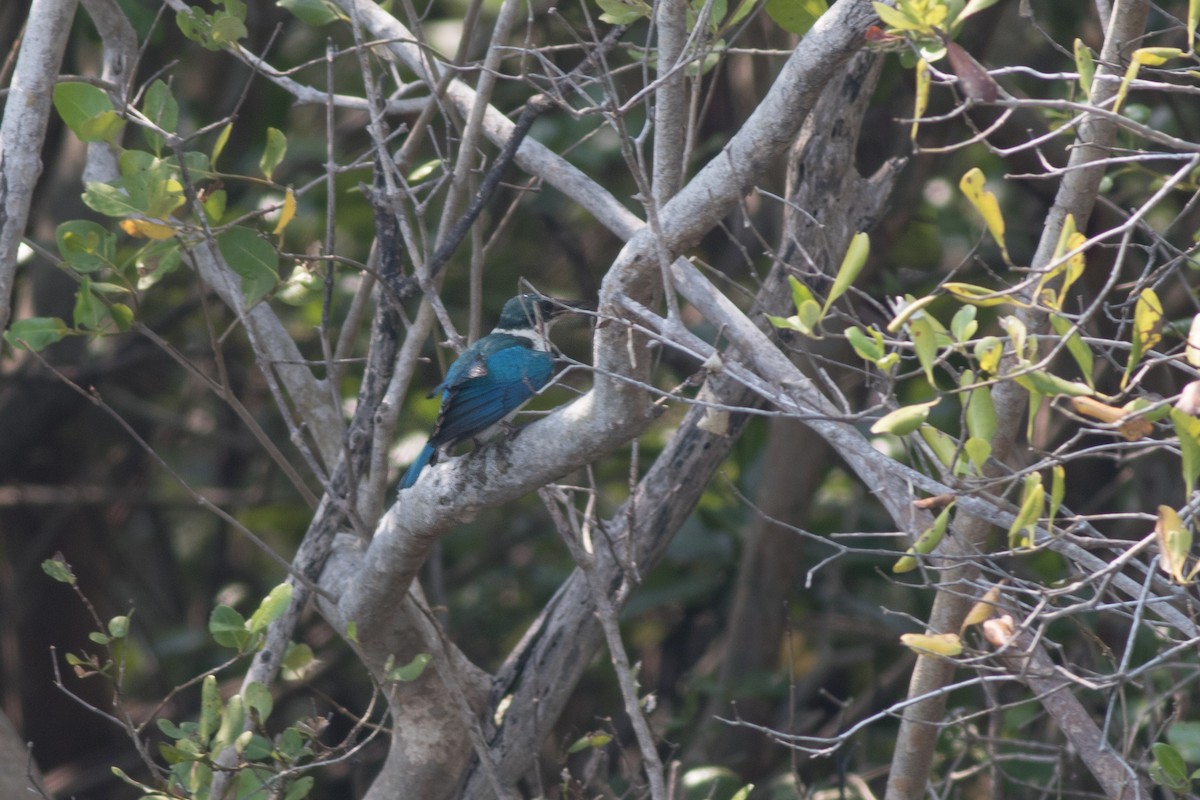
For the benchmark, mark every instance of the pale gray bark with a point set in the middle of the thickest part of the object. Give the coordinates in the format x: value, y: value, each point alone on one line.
x: 23, y: 129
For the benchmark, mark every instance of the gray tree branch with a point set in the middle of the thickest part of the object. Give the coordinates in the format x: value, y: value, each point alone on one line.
x: 26, y: 112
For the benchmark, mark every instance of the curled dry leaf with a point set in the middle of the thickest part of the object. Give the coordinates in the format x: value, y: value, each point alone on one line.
x: 998, y: 631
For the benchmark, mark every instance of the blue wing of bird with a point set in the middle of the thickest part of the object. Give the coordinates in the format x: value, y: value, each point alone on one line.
x: 490, y: 380
x: 488, y: 389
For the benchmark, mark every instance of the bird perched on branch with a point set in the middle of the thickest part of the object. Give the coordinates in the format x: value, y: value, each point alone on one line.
x: 494, y: 377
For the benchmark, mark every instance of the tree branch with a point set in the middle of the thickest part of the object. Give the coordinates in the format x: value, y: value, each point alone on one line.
x: 26, y: 112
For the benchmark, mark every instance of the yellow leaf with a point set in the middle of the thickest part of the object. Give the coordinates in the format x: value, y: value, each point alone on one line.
x: 921, y: 101
x: 1130, y: 73
x: 936, y: 644
x: 983, y: 609
x: 979, y: 295
x: 287, y: 213
x: 1156, y: 56
x: 144, y: 229
x: 973, y: 186
x: 1131, y: 426
x: 929, y: 539
x: 1174, y: 543
x: 988, y: 351
x: 1147, y: 329
x: 1147, y: 319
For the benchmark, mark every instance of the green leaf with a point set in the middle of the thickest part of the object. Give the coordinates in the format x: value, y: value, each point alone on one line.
x: 274, y: 152
x: 1076, y: 346
x: 228, y: 627
x: 58, y: 569
x: 315, y: 13
x: 623, y: 12
x: 1041, y: 382
x: 259, y: 700
x: 122, y: 316
x: 942, y: 444
x: 852, y: 264
x: 170, y: 729
x: 210, y: 709
x: 742, y: 10
x: 963, y: 325
x: 1185, y: 737
x: 271, y: 608
x: 110, y: 200
x: 85, y: 246
x: 1193, y: 18
x: 227, y: 29
x: 1085, y: 65
x: 233, y: 720
x: 296, y: 660
x: 90, y: 311
x: 290, y: 744
x: 253, y: 258
x: 1058, y: 490
x: 1024, y: 527
x: 118, y: 627
x: 903, y: 421
x: 978, y: 452
x: 980, y: 410
x: 300, y: 788
x: 99, y: 638
x: 36, y: 333
x: 869, y: 347
x: 924, y: 339
x: 87, y: 111
x: 796, y: 16
x: 1168, y: 758
x: 410, y: 671
x: 898, y: 18
x: 161, y: 109
x: 104, y: 127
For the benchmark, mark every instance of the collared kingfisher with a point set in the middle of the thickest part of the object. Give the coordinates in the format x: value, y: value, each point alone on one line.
x: 493, y: 378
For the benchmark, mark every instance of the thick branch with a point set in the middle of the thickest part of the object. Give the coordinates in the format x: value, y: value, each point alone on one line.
x: 24, y: 127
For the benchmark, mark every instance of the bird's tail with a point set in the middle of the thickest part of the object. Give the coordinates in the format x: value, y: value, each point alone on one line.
x: 414, y: 470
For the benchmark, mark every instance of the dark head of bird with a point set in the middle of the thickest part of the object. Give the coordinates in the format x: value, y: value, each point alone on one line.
x: 533, y: 311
